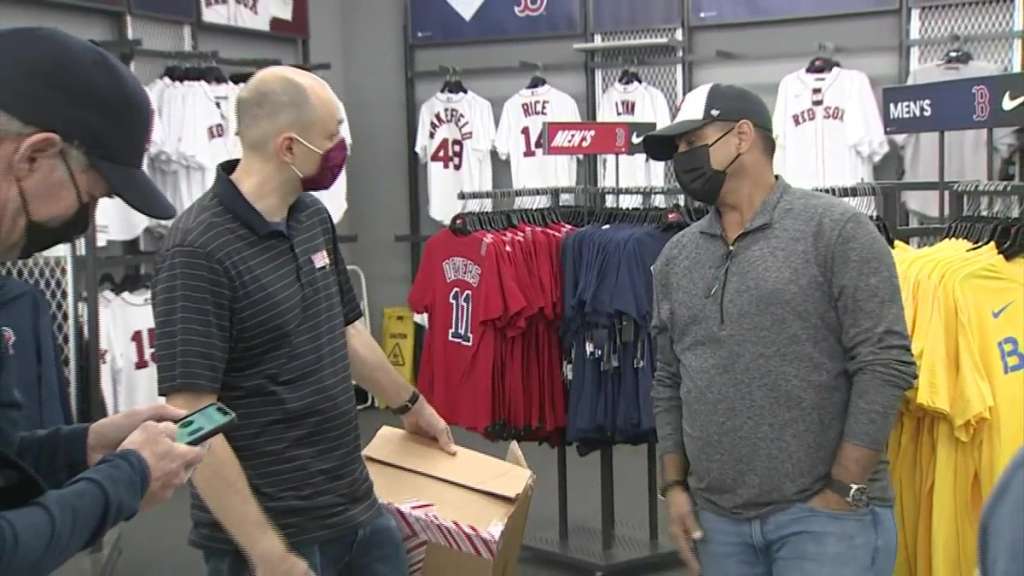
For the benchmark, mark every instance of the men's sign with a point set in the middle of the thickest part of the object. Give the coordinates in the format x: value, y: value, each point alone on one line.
x: 964, y: 104
x: 451, y: 21
x: 593, y: 138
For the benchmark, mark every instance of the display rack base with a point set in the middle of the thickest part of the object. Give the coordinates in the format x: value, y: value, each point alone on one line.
x: 631, y: 552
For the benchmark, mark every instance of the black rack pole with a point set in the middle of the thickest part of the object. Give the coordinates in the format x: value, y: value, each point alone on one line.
x: 413, y: 165
x: 563, y: 495
x: 607, y: 499
x: 652, y: 490
x: 942, y: 175
x: 989, y: 144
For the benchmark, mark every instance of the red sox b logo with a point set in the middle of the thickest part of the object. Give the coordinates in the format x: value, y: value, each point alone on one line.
x: 531, y: 8
x: 982, y: 106
x: 7, y: 339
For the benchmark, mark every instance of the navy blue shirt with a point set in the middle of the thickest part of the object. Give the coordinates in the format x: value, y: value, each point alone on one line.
x: 51, y: 507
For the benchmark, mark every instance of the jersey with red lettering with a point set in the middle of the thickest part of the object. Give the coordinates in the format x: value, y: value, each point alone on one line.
x: 454, y: 140
x: 828, y: 128
x: 459, y: 286
x: 131, y: 341
x: 253, y: 14
x: 520, y: 139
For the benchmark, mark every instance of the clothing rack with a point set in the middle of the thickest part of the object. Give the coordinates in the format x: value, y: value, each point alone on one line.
x: 887, y: 194
x: 616, y: 551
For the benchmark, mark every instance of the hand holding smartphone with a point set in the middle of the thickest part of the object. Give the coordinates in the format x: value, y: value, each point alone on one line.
x: 205, y: 423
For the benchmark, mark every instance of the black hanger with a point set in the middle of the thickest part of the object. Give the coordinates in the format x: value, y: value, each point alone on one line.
x: 107, y: 281
x: 214, y: 75
x: 821, y: 64
x: 536, y: 82
x: 172, y: 73
x: 1014, y: 246
x: 957, y: 56
x: 629, y: 76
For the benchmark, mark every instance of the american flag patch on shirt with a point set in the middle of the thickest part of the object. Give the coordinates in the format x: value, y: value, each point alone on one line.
x: 321, y: 259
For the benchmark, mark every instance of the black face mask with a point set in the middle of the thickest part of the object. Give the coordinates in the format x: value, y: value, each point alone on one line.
x: 696, y: 176
x: 39, y: 237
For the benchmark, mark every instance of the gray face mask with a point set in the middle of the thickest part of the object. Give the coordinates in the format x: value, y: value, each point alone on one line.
x: 40, y: 237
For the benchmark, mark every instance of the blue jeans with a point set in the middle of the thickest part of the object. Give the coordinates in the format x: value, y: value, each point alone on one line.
x: 374, y: 550
x: 885, y: 559
x: 797, y: 541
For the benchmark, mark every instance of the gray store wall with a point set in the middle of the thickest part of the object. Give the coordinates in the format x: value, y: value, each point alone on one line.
x: 365, y: 39
x: 866, y: 42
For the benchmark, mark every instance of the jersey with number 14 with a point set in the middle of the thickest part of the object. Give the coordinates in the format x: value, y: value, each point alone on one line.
x: 520, y: 138
x: 459, y: 287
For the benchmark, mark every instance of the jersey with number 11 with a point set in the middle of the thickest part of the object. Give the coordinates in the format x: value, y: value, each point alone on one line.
x: 459, y: 287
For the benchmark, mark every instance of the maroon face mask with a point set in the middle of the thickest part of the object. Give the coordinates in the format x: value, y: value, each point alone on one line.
x: 332, y: 162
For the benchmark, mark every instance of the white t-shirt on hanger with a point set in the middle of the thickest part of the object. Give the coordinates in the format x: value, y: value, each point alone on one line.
x: 520, y: 140
x: 635, y: 102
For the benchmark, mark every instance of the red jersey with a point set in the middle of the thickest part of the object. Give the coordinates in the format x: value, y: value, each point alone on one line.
x: 459, y: 286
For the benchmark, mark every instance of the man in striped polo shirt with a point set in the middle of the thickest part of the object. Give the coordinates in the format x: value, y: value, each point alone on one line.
x: 254, y: 308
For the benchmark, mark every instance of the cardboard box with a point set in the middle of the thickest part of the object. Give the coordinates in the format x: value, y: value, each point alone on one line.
x: 471, y: 490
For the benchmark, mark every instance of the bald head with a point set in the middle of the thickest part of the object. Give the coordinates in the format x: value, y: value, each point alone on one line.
x: 279, y: 100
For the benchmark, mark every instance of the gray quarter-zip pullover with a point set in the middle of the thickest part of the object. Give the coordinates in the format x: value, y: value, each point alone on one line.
x: 777, y: 348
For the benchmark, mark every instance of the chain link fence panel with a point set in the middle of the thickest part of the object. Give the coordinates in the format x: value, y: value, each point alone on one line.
x: 965, y: 19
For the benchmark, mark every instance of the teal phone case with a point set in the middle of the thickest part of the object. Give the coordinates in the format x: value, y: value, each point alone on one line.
x: 205, y: 423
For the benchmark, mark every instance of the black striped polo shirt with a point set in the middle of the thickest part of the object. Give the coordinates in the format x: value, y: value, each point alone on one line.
x: 257, y: 314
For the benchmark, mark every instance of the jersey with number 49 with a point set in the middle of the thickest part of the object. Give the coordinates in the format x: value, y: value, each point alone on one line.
x: 459, y: 287
x: 520, y: 138
x: 454, y: 139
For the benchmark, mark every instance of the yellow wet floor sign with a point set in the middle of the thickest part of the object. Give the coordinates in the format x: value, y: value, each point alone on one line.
x: 398, y: 340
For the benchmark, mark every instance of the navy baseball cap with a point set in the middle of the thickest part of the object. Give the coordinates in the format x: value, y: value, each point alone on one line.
x: 62, y: 84
x: 703, y: 105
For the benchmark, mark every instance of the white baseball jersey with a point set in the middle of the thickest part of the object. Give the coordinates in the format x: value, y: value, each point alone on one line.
x: 454, y: 131
x: 520, y: 139
x: 965, y: 149
x: 635, y: 102
x: 335, y: 198
x: 206, y: 141
x: 254, y: 14
x: 131, y: 351
x: 115, y: 220
x: 106, y: 298
x: 828, y: 129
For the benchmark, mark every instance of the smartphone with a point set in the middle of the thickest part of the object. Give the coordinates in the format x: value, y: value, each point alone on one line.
x: 205, y: 423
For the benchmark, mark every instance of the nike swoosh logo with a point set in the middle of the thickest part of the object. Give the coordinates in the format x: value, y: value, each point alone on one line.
x: 1011, y: 103
x: 997, y: 313
x: 639, y: 138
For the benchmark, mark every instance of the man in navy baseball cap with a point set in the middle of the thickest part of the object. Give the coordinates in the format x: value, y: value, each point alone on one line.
x: 74, y: 125
x: 84, y: 116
